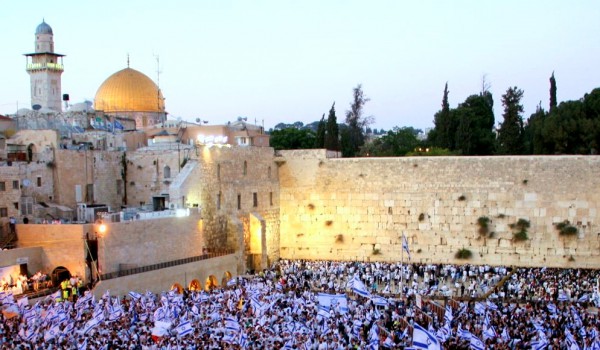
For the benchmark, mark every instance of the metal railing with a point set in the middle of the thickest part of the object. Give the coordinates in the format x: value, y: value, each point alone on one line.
x: 163, y: 265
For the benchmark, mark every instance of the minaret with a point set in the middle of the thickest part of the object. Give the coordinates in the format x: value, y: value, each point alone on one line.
x: 45, y: 70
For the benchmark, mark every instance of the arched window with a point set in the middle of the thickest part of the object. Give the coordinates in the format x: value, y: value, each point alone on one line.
x: 167, y: 172
x: 245, y: 168
x: 269, y: 172
x: 218, y: 171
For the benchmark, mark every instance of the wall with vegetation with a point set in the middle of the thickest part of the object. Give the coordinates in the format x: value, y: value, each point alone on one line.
x: 358, y: 209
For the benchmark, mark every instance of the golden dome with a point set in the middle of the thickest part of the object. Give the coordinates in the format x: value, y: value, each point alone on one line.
x: 129, y: 91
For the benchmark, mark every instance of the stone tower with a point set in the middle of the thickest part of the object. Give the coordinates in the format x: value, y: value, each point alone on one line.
x: 45, y: 70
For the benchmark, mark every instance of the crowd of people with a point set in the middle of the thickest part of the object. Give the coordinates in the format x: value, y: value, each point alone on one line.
x: 327, y: 305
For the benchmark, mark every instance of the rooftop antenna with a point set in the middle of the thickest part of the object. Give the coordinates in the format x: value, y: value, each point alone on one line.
x: 158, y: 71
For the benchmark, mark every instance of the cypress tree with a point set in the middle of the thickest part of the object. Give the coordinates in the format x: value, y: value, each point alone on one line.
x: 552, y: 93
x: 320, y: 139
x: 332, y: 141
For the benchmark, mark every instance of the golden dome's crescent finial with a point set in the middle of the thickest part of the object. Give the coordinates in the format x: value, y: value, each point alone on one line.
x: 127, y: 60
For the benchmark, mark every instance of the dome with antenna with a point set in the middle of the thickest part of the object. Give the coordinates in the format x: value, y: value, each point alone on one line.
x: 129, y: 90
x: 43, y: 28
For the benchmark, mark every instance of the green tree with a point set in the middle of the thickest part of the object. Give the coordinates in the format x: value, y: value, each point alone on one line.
x: 510, y: 133
x: 292, y: 138
x: 552, y: 93
x: 397, y: 142
x: 474, y: 133
x: 534, y: 141
x: 444, y: 131
x: 357, y: 122
x: 332, y: 140
x: 321, y: 131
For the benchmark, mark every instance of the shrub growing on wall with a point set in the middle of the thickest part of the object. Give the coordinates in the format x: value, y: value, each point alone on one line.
x: 566, y: 229
x: 484, y: 228
x: 463, y: 254
x: 521, y: 227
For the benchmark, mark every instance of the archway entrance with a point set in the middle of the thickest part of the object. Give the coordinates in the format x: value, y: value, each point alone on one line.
x: 59, y: 274
x: 30, y: 152
x: 211, y: 283
x: 257, y: 251
x: 177, y: 288
x: 195, y: 286
x: 226, y: 278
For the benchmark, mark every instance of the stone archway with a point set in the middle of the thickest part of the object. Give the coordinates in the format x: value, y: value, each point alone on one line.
x: 59, y: 274
x: 177, y: 288
x: 30, y: 152
x: 195, y: 286
x: 211, y: 283
x: 226, y: 278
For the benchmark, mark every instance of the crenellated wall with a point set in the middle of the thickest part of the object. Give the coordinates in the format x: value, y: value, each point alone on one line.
x: 357, y: 209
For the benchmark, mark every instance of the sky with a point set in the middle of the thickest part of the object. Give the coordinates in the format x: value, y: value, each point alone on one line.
x: 287, y: 61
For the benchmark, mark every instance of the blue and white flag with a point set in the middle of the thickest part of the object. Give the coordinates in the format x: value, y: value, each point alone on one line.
x: 422, y: 339
x: 539, y: 344
x: 562, y: 296
x: 448, y: 317
x: 476, y: 343
x: 374, y: 337
x: 479, y: 308
x: 463, y: 333
x: 52, y: 333
x: 358, y: 287
x: 232, y: 325
x: 405, y: 245
x: 23, y: 302
x: 89, y: 325
x: 134, y: 295
x: 82, y: 346
x: 184, y: 328
x: 243, y: 342
x: 379, y: 301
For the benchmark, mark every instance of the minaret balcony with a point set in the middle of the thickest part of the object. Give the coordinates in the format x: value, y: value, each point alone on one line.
x: 57, y: 67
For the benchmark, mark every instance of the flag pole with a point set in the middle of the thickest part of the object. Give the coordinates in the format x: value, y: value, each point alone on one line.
x: 401, y: 264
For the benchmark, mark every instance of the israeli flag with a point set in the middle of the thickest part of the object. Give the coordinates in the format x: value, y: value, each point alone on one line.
x: 23, y: 302
x: 448, y: 317
x: 134, y: 295
x: 82, y: 346
x: 476, y: 343
x: 232, y: 325
x: 479, y: 308
x: 184, y: 328
x: 422, y: 339
x: 359, y: 287
x: 539, y: 344
x: 52, y: 333
x: 405, y: 245
x: 90, y: 325
x: 562, y: 296
x: 243, y: 342
x: 379, y: 301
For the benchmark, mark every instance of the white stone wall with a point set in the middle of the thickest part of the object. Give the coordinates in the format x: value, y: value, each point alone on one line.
x: 347, y: 208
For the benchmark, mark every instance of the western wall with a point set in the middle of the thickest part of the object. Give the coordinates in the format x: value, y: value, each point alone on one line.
x: 358, y: 209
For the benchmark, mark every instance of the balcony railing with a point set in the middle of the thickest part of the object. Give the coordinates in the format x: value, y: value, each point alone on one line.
x: 122, y: 273
x: 51, y: 66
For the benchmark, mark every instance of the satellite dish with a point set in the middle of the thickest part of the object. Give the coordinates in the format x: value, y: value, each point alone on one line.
x: 197, y: 120
x: 26, y: 183
x: 36, y: 107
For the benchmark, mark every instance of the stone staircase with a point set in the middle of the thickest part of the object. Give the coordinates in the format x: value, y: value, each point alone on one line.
x: 500, y: 283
